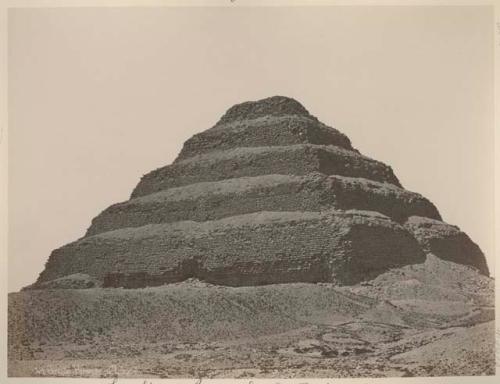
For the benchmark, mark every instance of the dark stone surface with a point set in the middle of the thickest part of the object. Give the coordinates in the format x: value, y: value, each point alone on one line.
x: 342, y: 247
x: 263, y: 197
x: 272, y: 106
x: 447, y: 242
x: 298, y: 159
x: 215, y: 200
x: 264, y: 131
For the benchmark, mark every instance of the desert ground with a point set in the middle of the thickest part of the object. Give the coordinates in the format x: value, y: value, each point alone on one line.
x: 430, y: 319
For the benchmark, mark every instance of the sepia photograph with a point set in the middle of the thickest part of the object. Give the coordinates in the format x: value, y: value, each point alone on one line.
x: 228, y: 190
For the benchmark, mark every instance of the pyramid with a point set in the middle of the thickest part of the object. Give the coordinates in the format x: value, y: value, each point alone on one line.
x: 267, y: 195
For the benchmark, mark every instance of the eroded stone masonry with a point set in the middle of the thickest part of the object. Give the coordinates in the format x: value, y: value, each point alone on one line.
x: 268, y: 195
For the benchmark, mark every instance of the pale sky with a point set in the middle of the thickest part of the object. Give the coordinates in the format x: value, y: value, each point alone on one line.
x: 99, y: 97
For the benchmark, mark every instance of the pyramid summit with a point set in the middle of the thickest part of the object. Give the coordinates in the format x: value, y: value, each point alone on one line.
x: 272, y: 106
x: 275, y: 121
x: 268, y: 195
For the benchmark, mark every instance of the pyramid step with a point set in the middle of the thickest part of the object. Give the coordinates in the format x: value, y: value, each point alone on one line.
x: 264, y: 131
x: 341, y: 247
x: 215, y: 200
x: 447, y: 242
x: 298, y: 159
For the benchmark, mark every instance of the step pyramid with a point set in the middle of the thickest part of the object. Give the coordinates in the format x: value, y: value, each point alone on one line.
x: 268, y: 195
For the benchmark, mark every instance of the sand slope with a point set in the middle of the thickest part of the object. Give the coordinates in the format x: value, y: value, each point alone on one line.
x: 390, y: 326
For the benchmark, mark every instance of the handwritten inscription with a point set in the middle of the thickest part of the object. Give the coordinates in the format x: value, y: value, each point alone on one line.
x: 199, y: 381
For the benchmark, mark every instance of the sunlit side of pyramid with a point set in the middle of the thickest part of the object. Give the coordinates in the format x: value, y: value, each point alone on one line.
x: 268, y: 195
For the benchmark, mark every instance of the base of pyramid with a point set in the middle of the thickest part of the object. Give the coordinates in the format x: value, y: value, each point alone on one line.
x: 415, y: 321
x: 342, y: 247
